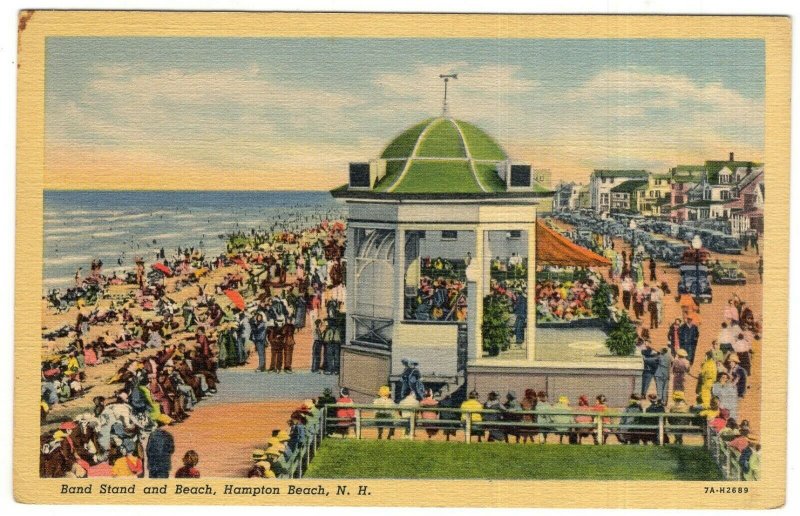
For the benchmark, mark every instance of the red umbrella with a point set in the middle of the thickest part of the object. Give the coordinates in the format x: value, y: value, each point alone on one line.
x: 236, y: 297
x: 160, y: 267
x: 242, y: 263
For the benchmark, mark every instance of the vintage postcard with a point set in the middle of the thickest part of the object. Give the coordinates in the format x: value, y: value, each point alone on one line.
x: 414, y: 260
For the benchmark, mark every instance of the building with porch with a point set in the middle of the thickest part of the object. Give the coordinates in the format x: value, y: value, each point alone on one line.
x: 625, y: 196
x: 437, y: 226
x: 656, y: 200
x: 683, y: 178
x: 602, y: 181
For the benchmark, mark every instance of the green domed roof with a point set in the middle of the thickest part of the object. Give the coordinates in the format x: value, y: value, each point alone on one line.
x: 439, y: 158
x: 444, y: 138
x: 441, y: 155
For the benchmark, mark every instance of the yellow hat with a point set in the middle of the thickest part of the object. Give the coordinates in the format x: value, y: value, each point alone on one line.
x: 282, y: 436
x: 274, y: 452
x: 267, y: 467
x: 753, y: 439
x: 678, y: 395
x: 734, y: 358
x: 259, y: 454
x: 384, y: 391
x: 563, y: 400
x: 273, y: 441
x: 59, y: 435
x: 683, y: 353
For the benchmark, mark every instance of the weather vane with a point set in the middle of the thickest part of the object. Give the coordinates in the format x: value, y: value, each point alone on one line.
x: 446, y: 78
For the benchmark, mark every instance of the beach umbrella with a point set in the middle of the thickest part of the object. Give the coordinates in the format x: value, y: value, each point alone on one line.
x: 160, y: 267
x: 243, y: 264
x: 237, y: 298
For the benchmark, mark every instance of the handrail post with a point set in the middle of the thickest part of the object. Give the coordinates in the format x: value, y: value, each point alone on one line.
x: 600, y: 430
x: 412, y: 424
x: 728, y: 456
x: 358, y: 423
x: 300, y: 462
x: 468, y: 427
x: 661, y: 430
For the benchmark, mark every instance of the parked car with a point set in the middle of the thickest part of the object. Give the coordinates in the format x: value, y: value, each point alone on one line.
x: 727, y: 273
x: 673, y: 253
x: 694, y: 281
x: 692, y: 256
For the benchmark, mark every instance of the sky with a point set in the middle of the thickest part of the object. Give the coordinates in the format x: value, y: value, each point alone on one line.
x: 290, y: 113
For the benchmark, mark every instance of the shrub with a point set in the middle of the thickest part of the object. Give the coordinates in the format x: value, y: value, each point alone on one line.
x: 496, y: 330
x: 602, y: 300
x: 621, y: 339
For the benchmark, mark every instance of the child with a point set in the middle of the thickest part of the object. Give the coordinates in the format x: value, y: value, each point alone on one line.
x: 190, y: 460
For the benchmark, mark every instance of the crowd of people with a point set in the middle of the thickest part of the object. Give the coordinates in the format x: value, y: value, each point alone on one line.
x: 122, y: 431
x: 725, y: 367
x: 171, y: 352
x: 284, y: 448
x: 739, y: 441
x: 532, y: 418
x: 441, y: 292
x: 564, y: 301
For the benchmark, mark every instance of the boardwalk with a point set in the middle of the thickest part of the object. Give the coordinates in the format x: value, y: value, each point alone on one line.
x: 225, y: 429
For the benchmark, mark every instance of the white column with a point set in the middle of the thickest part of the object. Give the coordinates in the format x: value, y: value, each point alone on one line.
x: 482, y: 259
x: 399, y: 285
x: 531, y: 329
x: 350, y: 298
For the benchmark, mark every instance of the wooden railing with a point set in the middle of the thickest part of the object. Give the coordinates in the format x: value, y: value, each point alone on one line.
x: 627, y: 426
x: 301, y: 458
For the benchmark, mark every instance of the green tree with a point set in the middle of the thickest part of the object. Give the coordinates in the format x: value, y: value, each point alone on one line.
x: 601, y: 301
x: 621, y: 339
x: 496, y: 330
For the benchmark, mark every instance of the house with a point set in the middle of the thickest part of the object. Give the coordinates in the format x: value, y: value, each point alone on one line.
x: 656, y: 200
x: 602, y: 181
x: 747, y: 207
x: 584, y: 198
x: 625, y: 197
x: 682, y: 179
x: 566, y: 197
x: 710, y: 198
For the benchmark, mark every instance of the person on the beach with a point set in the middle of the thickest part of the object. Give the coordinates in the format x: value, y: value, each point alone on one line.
x: 160, y: 447
x: 243, y: 333
x: 190, y: 460
x: 259, y: 337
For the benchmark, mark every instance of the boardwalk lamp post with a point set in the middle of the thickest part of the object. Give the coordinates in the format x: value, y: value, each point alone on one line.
x: 697, y: 244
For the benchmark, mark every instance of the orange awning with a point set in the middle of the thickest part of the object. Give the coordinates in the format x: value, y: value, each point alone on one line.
x: 555, y: 249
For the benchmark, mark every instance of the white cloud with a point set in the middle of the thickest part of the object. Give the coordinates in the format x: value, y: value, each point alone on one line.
x: 633, y: 92
x: 247, y: 118
x: 246, y: 86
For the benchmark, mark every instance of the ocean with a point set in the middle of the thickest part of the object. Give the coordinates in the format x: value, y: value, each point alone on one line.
x: 118, y: 226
